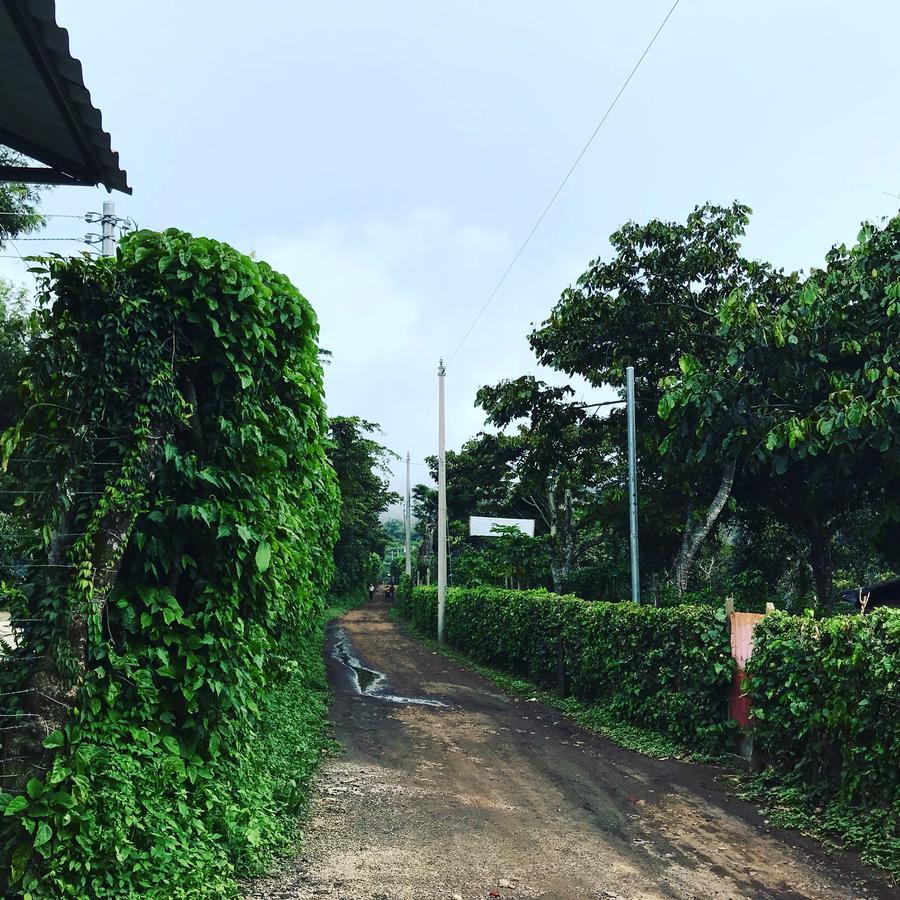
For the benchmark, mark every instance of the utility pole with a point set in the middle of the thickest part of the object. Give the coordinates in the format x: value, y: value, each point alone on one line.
x: 408, y: 522
x: 632, y: 485
x: 108, y: 225
x: 442, y: 508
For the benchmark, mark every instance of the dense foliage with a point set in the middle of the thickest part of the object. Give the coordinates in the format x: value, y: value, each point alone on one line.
x: 664, y: 668
x: 18, y: 201
x: 361, y: 466
x: 826, y: 696
x: 172, y: 459
x: 768, y: 463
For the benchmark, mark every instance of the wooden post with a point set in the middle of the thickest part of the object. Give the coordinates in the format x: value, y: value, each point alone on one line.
x: 560, y: 667
x: 741, y: 626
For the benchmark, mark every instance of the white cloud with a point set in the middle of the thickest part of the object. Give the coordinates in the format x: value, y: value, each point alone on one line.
x: 385, y: 312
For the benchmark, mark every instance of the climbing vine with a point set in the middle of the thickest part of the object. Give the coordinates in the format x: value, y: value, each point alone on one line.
x: 171, y: 459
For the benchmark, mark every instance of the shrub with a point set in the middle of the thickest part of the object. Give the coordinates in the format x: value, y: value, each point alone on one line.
x: 666, y: 668
x: 826, y: 700
x: 169, y: 774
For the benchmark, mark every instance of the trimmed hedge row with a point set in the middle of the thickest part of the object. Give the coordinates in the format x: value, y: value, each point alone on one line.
x: 664, y: 668
x: 826, y: 700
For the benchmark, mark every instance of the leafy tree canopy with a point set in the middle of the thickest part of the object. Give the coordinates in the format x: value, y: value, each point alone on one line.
x: 18, y: 202
x: 361, y: 465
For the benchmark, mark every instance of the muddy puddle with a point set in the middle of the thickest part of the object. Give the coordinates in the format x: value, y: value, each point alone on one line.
x: 370, y: 682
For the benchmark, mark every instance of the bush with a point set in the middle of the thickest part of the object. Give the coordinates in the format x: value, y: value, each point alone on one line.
x: 665, y: 668
x: 826, y: 700
x: 199, y: 707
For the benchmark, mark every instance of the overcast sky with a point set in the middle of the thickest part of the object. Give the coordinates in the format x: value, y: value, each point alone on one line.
x: 391, y: 156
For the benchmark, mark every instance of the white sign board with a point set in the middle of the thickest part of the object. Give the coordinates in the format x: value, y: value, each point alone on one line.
x: 482, y: 526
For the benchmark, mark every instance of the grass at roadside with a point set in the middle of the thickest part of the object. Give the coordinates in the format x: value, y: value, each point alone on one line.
x: 294, y: 736
x: 789, y: 803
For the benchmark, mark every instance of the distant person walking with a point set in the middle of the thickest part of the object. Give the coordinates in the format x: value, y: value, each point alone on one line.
x: 371, y: 591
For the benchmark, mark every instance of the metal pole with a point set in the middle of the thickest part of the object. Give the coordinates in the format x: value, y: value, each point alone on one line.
x: 408, y: 523
x: 632, y: 486
x: 108, y: 224
x: 442, y: 509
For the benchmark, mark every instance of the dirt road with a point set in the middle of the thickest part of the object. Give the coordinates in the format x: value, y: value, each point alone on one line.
x: 485, y: 793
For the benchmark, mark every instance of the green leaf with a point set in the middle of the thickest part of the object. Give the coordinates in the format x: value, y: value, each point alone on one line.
x: 263, y: 556
x: 16, y: 805
x: 43, y: 834
x: 19, y: 861
x: 54, y: 739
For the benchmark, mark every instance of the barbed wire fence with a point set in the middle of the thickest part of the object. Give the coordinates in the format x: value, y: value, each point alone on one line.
x: 28, y: 558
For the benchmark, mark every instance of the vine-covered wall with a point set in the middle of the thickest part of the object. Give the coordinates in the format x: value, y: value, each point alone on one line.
x: 172, y: 461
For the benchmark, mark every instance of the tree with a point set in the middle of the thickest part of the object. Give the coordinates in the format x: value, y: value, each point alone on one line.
x: 394, y: 529
x: 18, y: 202
x: 15, y: 327
x: 361, y: 465
x: 554, y: 459
x: 424, y: 514
x: 509, y: 559
x: 805, y: 391
x: 654, y: 304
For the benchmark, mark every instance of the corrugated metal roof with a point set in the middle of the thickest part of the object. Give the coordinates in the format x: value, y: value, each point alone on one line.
x: 45, y: 109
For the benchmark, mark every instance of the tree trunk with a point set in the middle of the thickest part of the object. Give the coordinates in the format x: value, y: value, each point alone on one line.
x: 821, y: 561
x: 568, y: 541
x: 56, y: 680
x: 562, y: 534
x: 427, y: 554
x: 693, y: 537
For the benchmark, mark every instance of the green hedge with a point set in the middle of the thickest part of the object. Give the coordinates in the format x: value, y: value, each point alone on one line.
x: 826, y: 699
x: 664, y: 668
x: 201, y: 702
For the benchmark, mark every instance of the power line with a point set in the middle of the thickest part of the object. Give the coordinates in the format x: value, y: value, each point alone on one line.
x: 38, y: 256
x: 565, y: 180
x: 425, y: 417
x: 41, y: 215
x: 18, y: 252
x: 81, y: 240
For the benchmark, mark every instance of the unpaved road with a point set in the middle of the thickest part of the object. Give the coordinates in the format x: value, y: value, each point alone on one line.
x: 493, y: 794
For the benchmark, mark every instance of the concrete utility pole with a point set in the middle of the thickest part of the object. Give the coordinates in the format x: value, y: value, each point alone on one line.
x: 408, y: 523
x: 108, y: 225
x: 442, y: 508
x: 632, y: 485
